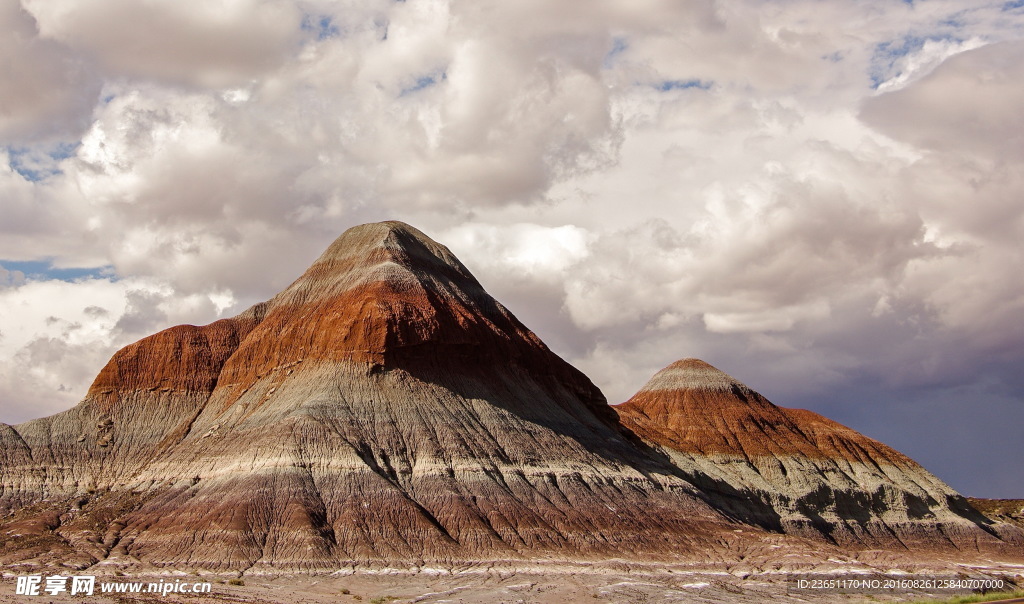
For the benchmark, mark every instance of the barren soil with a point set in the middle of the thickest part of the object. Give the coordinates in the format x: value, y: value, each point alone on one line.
x: 551, y: 585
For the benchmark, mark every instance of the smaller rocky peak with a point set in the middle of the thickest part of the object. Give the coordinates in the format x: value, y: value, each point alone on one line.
x: 693, y: 374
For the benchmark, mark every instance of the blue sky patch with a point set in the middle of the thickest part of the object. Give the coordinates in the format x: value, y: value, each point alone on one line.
x: 619, y: 46
x: 954, y: 22
x: 43, y: 270
x: 668, y: 85
x: 894, y: 49
x: 424, y: 82
x: 35, y: 164
x: 887, y: 54
x: 323, y: 26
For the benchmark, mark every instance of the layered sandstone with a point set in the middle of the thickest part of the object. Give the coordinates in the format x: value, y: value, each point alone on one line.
x: 383, y: 409
x: 796, y: 471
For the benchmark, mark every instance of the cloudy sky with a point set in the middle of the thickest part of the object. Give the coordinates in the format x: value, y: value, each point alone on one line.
x: 824, y: 198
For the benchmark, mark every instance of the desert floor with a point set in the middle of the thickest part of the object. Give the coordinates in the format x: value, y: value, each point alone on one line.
x: 497, y: 586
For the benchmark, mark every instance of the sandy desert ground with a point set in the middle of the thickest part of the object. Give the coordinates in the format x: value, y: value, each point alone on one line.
x: 535, y: 585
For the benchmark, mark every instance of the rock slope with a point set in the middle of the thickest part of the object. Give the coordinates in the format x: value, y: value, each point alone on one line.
x: 382, y: 409
x: 796, y: 471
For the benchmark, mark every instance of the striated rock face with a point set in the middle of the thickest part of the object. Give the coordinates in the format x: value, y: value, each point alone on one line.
x: 382, y: 409
x: 794, y: 470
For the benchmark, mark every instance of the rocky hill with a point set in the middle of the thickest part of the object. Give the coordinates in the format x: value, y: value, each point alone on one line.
x: 384, y: 410
x: 794, y: 470
x: 381, y: 409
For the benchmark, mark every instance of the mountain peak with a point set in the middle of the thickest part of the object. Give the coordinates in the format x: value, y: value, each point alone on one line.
x: 382, y: 252
x: 381, y: 294
x: 381, y: 291
x: 391, y: 238
x: 692, y: 374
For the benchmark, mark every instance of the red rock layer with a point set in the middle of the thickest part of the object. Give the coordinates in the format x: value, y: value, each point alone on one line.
x: 694, y: 408
x: 185, y: 358
x: 401, y: 300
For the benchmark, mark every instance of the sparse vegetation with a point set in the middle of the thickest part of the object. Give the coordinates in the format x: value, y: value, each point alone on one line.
x: 236, y: 582
x: 1001, y: 510
x: 345, y: 591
